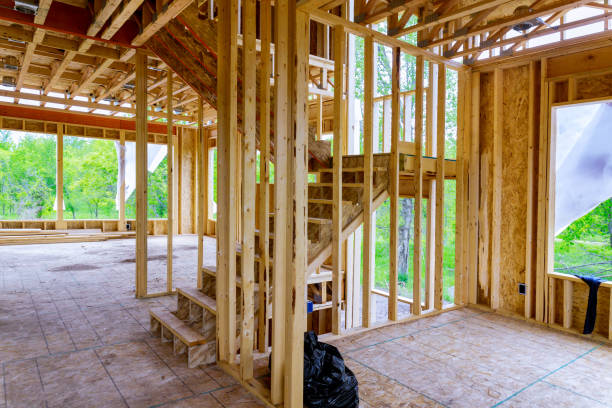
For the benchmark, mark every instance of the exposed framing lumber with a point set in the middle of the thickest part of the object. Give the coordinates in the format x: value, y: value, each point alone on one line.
x: 440, y: 153
x: 529, y: 231
x: 170, y: 11
x: 431, y: 130
x: 170, y: 182
x: 418, y: 183
x: 568, y: 300
x: 141, y: 176
x: 368, y: 135
x: 121, y: 171
x: 247, y: 266
x: 496, y: 211
x: 474, y: 189
x: 59, y: 180
x: 339, y: 131
x: 202, y: 187
x: 394, y: 183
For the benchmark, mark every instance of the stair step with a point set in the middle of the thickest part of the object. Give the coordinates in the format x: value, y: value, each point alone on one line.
x: 199, y: 298
x: 212, y: 271
x: 179, y: 328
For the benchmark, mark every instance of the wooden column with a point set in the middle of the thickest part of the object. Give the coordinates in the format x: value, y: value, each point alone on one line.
x: 339, y: 45
x: 568, y: 302
x: 394, y: 183
x: 121, y: 181
x: 227, y: 140
x: 170, y: 181
x: 431, y: 131
x: 541, y: 285
x: 59, y: 180
x: 141, y: 174
x: 368, y: 124
x: 474, y: 189
x: 418, y: 183
x: 249, y: 116
x: 529, y: 230
x: 201, y: 191
x: 440, y: 140
x: 498, y: 114
x: 265, y: 24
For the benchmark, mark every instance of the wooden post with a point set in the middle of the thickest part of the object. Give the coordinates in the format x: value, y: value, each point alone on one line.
x: 498, y: 128
x: 141, y: 174
x: 529, y: 280
x: 227, y: 141
x: 418, y: 184
x: 170, y: 179
x: 541, y: 286
x: 202, y: 185
x: 265, y: 22
x: 249, y: 114
x: 339, y: 44
x: 441, y: 140
x: 394, y: 183
x: 59, y: 180
x: 568, y: 301
x: 463, y: 106
x: 368, y: 123
x: 474, y: 189
x: 176, y: 183
x: 431, y: 130
x: 121, y: 181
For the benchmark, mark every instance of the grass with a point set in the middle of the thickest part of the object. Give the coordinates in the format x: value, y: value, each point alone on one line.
x: 591, y: 258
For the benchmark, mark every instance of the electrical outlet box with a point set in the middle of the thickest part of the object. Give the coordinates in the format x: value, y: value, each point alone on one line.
x: 522, y: 289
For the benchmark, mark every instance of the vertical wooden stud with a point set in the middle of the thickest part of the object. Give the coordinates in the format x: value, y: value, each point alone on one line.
x: 201, y: 187
x: 394, y: 182
x: 568, y: 301
x: 59, y: 179
x: 430, y: 146
x: 418, y: 183
x: 541, y: 286
x: 368, y: 124
x: 440, y: 139
x: 170, y: 181
x: 498, y: 112
x: 121, y: 181
x: 474, y: 188
x: 529, y: 281
x: 141, y: 173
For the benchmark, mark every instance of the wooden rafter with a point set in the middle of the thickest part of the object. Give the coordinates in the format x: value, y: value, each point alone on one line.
x: 172, y: 10
x: 41, y: 16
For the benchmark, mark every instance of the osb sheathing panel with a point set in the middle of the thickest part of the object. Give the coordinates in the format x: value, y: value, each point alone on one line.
x: 579, y: 62
x: 514, y: 186
x: 579, y: 307
x: 594, y: 87
x: 486, y: 151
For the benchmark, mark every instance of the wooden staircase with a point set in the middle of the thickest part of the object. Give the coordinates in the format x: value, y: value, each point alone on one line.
x: 191, y: 328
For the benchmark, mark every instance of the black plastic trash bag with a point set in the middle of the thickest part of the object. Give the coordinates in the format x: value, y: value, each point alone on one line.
x: 328, y: 383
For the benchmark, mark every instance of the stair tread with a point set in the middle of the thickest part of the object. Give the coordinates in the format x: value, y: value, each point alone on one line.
x: 179, y: 328
x: 200, y: 298
x: 212, y: 270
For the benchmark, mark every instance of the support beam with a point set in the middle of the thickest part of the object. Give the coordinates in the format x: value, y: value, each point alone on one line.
x: 59, y: 180
x: 368, y: 135
x: 141, y: 175
x: 170, y: 181
x: 202, y: 186
x: 121, y: 181
x: 496, y: 211
x: 474, y: 190
x: 440, y: 154
x: 173, y: 9
x: 394, y: 183
x: 418, y: 186
x: 529, y: 230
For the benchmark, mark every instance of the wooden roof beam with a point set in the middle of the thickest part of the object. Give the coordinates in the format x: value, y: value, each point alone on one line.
x: 389, y: 10
x: 170, y: 11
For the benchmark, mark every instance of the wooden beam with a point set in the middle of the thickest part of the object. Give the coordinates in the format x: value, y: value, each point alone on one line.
x: 249, y: 117
x: 430, y: 151
x: 121, y: 181
x: 529, y: 235
x: 568, y: 303
x: 141, y: 176
x: 59, y: 180
x: 541, y: 214
x: 418, y: 183
x: 440, y: 154
x: 496, y: 211
x: 339, y: 130
x: 171, y: 10
x: 368, y: 136
x: 394, y: 183
x: 474, y: 190
x: 170, y: 181
x: 202, y: 186
x: 124, y: 14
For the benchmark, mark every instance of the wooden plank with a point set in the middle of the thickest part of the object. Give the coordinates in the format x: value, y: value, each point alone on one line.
x: 552, y: 301
x: 368, y: 135
x: 496, y: 211
x: 339, y: 130
x: 529, y: 236
x: 568, y: 302
x: 141, y: 174
x: 387, y: 125
x: 431, y: 130
x: 542, y: 171
x: 418, y: 140
x: 394, y: 184
x: 440, y: 148
x: 249, y: 116
x: 201, y: 186
x: 170, y: 181
x: 171, y: 10
x: 59, y: 179
x: 121, y: 181
x: 474, y: 192
x: 265, y: 21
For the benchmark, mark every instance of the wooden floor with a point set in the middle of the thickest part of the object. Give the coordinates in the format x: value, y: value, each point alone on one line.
x: 72, y: 335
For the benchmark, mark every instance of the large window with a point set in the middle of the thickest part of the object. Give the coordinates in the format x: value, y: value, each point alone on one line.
x: 583, y: 191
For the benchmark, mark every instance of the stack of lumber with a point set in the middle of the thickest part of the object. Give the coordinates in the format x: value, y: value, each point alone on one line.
x: 38, y: 236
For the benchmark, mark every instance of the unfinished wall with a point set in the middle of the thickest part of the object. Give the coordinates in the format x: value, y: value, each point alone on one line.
x: 572, y: 78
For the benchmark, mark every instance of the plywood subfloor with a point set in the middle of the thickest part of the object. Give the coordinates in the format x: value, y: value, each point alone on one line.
x: 72, y: 335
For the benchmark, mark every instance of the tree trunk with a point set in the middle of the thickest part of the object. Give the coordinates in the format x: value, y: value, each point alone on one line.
x: 406, y: 214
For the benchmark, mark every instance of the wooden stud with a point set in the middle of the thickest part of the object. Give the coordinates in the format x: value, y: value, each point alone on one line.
x: 249, y: 117
x: 610, y: 317
x: 121, y: 181
x: 529, y: 281
x: 170, y: 180
x: 431, y: 130
x: 394, y: 183
x: 141, y: 174
x: 202, y: 186
x: 496, y: 211
x: 265, y: 22
x: 568, y: 301
x: 418, y: 182
x: 552, y: 301
x: 542, y: 174
x: 368, y: 124
x: 439, y: 235
x: 474, y: 191
x: 339, y: 45
x: 59, y: 180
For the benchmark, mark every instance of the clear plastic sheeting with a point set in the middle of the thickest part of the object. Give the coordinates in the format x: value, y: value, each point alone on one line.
x: 155, y: 155
x: 583, y: 161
